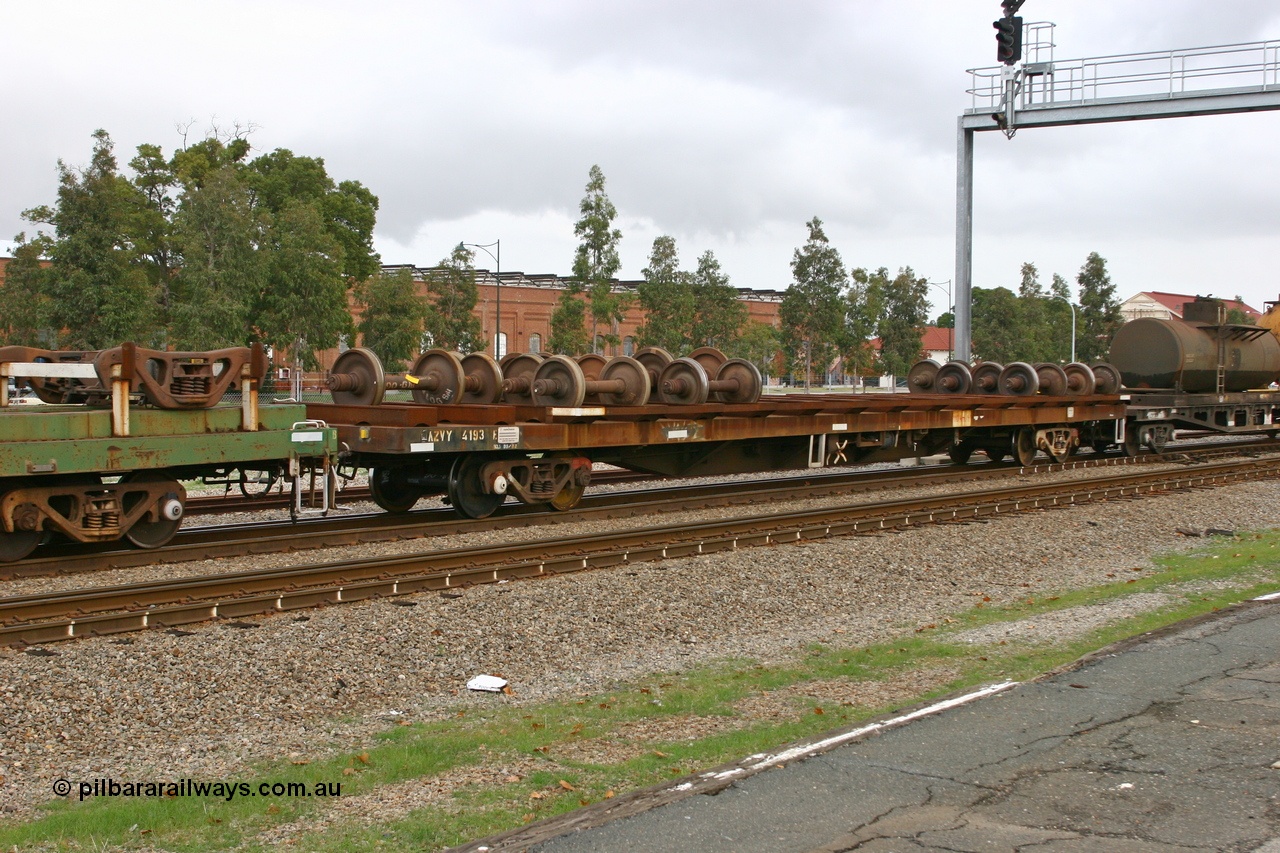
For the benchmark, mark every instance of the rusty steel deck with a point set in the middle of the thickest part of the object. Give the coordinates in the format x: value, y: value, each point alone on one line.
x: 401, y: 428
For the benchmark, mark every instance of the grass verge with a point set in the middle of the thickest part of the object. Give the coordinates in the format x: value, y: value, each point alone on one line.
x: 442, y: 783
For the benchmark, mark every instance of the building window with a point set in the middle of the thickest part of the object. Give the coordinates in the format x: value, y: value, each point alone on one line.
x: 500, y: 345
x: 628, y: 345
x: 598, y: 346
x: 535, y: 343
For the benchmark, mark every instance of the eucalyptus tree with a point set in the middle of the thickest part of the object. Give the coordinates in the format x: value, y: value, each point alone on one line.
x: 1099, y: 309
x: 812, y: 310
x: 392, y: 314
x: 450, y: 321
x: 667, y: 296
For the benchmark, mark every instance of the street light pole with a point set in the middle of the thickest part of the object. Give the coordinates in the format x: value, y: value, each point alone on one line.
x: 951, y: 333
x: 1072, y: 306
x: 497, y: 277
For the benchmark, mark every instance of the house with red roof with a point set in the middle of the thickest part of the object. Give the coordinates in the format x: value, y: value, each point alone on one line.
x: 1168, y: 306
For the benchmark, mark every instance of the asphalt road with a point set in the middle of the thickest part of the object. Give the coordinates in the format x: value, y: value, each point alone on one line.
x: 1169, y: 742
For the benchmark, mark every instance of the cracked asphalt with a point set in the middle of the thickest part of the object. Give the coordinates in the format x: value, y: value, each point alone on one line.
x: 1170, y: 742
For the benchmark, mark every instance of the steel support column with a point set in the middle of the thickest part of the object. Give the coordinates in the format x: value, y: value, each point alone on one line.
x: 964, y: 241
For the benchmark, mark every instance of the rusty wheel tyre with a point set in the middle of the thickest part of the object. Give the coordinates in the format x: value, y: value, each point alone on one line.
x: 517, y: 378
x: 953, y: 378
x: 1053, y: 379
x: 1080, y: 379
x: 1107, y: 378
x: 654, y: 360
x: 357, y: 378
x: 466, y: 492
x: 512, y: 356
x: 747, y: 375
x: 684, y: 383
x: 921, y: 375
x: 1019, y: 379
x: 391, y: 490
x: 559, y: 382
x: 635, y: 380
x: 482, y: 379
x: 710, y: 358
x: 1023, y: 446
x: 591, y: 363
x: 986, y: 378
x: 169, y: 512
x: 440, y: 378
x: 18, y: 544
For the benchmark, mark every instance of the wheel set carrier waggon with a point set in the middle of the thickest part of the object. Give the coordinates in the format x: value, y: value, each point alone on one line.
x: 549, y: 419
x: 119, y: 430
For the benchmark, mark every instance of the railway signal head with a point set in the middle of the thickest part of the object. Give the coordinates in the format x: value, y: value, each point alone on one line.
x: 1008, y: 39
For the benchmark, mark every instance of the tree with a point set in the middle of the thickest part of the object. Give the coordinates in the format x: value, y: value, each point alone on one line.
x: 596, y: 261
x: 812, y: 311
x: 1099, y: 309
x: 304, y: 306
x: 1237, y: 316
x: 718, y: 314
x: 222, y: 274
x: 100, y: 289
x: 667, y: 296
x: 452, y: 295
x: 391, y: 317
x: 864, y: 304
x: 903, y: 315
x: 758, y: 344
x: 24, y: 303
x: 998, y: 332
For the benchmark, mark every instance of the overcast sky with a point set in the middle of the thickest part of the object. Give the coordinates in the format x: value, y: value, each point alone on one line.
x: 724, y: 124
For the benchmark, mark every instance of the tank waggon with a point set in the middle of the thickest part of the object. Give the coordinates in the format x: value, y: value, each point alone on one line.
x: 1195, y: 357
x: 1198, y: 373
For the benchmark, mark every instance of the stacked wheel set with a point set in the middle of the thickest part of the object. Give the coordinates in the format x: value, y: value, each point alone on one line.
x: 440, y: 377
x: 1018, y: 379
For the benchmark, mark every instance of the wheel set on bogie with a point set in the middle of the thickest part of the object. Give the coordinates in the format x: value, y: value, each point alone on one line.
x: 440, y: 378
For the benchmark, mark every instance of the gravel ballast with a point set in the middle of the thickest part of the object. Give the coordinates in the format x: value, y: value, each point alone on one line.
x: 202, y: 704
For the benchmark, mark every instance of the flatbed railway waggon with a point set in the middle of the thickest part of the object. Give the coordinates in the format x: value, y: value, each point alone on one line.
x: 104, y: 454
x: 533, y: 427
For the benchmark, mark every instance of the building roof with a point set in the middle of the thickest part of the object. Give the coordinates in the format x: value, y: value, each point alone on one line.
x: 1174, y: 301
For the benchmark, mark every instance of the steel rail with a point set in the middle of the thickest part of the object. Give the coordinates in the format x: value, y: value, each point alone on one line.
x: 130, y: 607
x: 212, y: 542
x: 234, y: 540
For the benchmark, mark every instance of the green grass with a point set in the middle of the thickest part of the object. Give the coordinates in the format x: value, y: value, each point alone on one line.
x: 541, y: 739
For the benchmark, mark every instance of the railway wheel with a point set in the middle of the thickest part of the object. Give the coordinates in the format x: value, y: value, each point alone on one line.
x: 466, y: 491
x: 1023, y: 446
x: 710, y: 358
x: 18, y: 544
x: 1132, y: 441
x: 483, y: 383
x: 439, y: 378
x: 257, y: 484
x: 1107, y: 378
x: 996, y: 454
x: 1080, y: 379
x: 168, y: 509
x: 960, y: 452
x: 1101, y: 447
x: 1019, y: 379
x: 921, y: 375
x: 683, y: 382
x: 391, y: 489
x: 569, y: 496
x: 357, y: 378
x: 1053, y: 379
x: 986, y: 378
x: 954, y: 377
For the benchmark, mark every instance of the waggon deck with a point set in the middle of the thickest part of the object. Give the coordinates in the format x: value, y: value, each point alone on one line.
x: 77, y: 439
x: 403, y: 428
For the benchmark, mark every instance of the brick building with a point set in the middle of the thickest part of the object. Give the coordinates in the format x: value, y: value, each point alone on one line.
x: 528, y: 301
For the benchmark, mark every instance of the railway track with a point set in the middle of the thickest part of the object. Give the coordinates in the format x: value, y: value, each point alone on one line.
x: 234, y: 540
x: 167, y: 604
x: 214, y: 542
